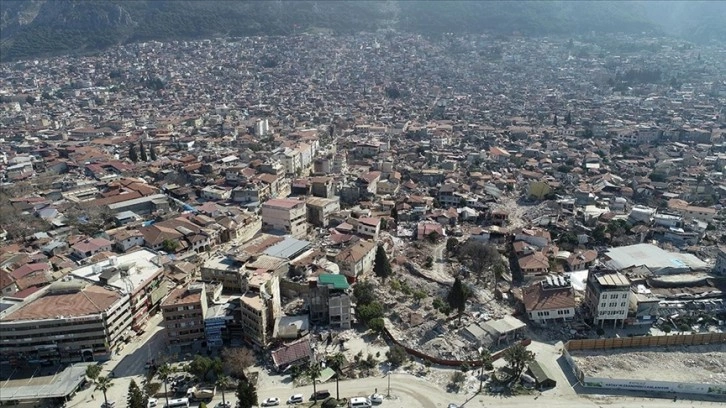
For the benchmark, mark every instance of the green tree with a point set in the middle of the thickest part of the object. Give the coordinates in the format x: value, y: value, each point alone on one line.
x: 222, y: 385
x: 135, y: 398
x: 103, y: 384
x: 451, y: 245
x: 554, y: 120
x: 568, y: 118
x: 485, y: 359
x: 170, y: 246
x: 394, y: 214
x: 142, y: 151
x: 382, y: 267
x: 429, y: 261
x: 517, y: 356
x: 152, y: 152
x: 457, y: 297
x: 313, y: 372
x: 363, y: 293
x: 336, y: 362
x: 396, y: 355
x: 93, y: 371
x: 133, y: 156
x: 164, y: 372
x: 246, y: 394
x: 377, y: 325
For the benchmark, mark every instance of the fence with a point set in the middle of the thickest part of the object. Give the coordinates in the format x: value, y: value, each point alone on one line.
x: 647, y: 341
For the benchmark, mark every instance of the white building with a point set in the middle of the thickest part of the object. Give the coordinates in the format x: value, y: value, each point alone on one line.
x: 608, y: 297
x: 552, y: 300
x: 720, y: 268
x: 285, y: 215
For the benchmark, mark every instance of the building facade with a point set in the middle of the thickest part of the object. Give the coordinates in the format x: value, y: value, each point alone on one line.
x: 184, y: 311
x: 285, y: 215
x: 607, y: 297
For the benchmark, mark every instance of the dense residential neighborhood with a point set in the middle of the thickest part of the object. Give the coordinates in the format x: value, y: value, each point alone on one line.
x: 398, y: 201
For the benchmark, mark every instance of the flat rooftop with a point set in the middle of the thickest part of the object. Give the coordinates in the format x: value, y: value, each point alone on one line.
x: 141, y: 265
x: 655, y: 258
x: 88, y: 301
x: 58, y: 385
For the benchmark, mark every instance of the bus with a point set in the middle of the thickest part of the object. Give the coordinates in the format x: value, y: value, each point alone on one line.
x: 178, y: 403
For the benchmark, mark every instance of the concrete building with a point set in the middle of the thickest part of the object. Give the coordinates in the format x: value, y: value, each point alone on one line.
x: 607, y: 297
x: 285, y: 215
x: 552, y: 300
x: 658, y: 260
x: 67, y: 321
x: 369, y: 227
x: 320, y: 209
x: 138, y: 274
x: 329, y: 301
x: 226, y: 270
x: 184, y: 311
x: 256, y: 318
x: 356, y: 259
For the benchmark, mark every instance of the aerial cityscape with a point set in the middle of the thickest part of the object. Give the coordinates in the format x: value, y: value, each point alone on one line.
x: 358, y: 217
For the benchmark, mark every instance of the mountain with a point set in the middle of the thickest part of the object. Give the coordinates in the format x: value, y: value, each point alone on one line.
x: 45, y: 27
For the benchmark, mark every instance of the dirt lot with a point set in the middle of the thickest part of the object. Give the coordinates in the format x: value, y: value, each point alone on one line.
x: 702, y: 364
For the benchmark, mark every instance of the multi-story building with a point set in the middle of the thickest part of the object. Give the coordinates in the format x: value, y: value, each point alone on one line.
x: 320, y: 209
x: 256, y: 317
x: 68, y: 321
x: 330, y: 302
x: 184, y: 311
x: 607, y: 297
x: 357, y: 258
x: 226, y: 270
x: 285, y: 215
x: 550, y: 300
x: 138, y: 274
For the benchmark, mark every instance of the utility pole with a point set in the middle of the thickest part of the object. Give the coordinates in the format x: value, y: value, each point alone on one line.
x: 389, y: 381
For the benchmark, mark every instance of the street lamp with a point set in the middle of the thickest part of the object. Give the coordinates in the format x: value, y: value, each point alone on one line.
x: 389, y: 381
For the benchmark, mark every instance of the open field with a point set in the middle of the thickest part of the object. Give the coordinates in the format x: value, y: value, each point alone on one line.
x: 695, y: 364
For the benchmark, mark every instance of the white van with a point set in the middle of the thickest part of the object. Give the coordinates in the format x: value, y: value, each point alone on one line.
x: 359, y: 402
x: 295, y: 399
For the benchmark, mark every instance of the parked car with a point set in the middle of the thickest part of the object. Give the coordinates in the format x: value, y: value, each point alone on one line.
x: 109, y: 404
x: 453, y: 406
x: 295, y: 399
x: 272, y: 401
x: 320, y: 395
x: 153, y: 402
x: 377, y: 398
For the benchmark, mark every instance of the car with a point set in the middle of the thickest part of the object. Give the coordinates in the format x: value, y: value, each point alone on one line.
x: 377, y: 398
x: 452, y: 405
x: 320, y: 395
x: 295, y: 399
x: 109, y: 404
x: 225, y: 404
x: 272, y: 401
x: 152, y: 402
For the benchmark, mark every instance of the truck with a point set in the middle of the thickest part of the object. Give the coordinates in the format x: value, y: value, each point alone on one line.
x: 201, y: 393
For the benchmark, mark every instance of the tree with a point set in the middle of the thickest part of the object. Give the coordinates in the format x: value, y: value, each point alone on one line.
x: 30, y: 99
x: 142, y: 151
x: 429, y: 261
x: 382, y: 267
x: 363, y: 293
x: 313, y: 372
x: 451, y: 244
x: 133, y: 156
x: 152, y: 152
x: 568, y: 118
x: 377, y: 324
x: 201, y: 367
x: 246, y: 394
x: 370, y: 311
x: 433, y: 237
x: 135, y: 398
x: 170, y: 246
x: 396, y: 355
x: 237, y: 361
x: 394, y: 214
x: 666, y: 328
x: 93, y: 371
x: 517, y: 356
x: 457, y: 296
x: 554, y: 120
x: 336, y: 362
x: 479, y: 257
x: 164, y: 372
x: 485, y: 358
x: 103, y: 384
x: 222, y: 384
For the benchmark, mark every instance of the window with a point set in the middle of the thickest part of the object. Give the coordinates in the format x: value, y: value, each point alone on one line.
x: 622, y: 304
x: 625, y: 295
x: 614, y: 296
x: 613, y: 304
x: 602, y: 304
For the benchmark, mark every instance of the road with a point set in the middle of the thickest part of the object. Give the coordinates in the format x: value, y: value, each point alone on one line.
x: 410, y: 391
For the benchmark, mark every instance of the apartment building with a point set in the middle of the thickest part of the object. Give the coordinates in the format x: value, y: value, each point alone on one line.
x: 357, y: 258
x: 285, y: 215
x: 607, y: 297
x: 256, y: 318
x: 184, y: 311
x: 68, y: 321
x: 329, y: 301
x: 319, y: 210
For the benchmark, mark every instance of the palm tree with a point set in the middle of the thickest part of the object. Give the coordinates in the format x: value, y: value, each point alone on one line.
x: 518, y: 357
x: 165, y: 370
x: 222, y: 384
x: 485, y: 358
x: 103, y: 384
x: 336, y: 362
x: 314, y: 373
